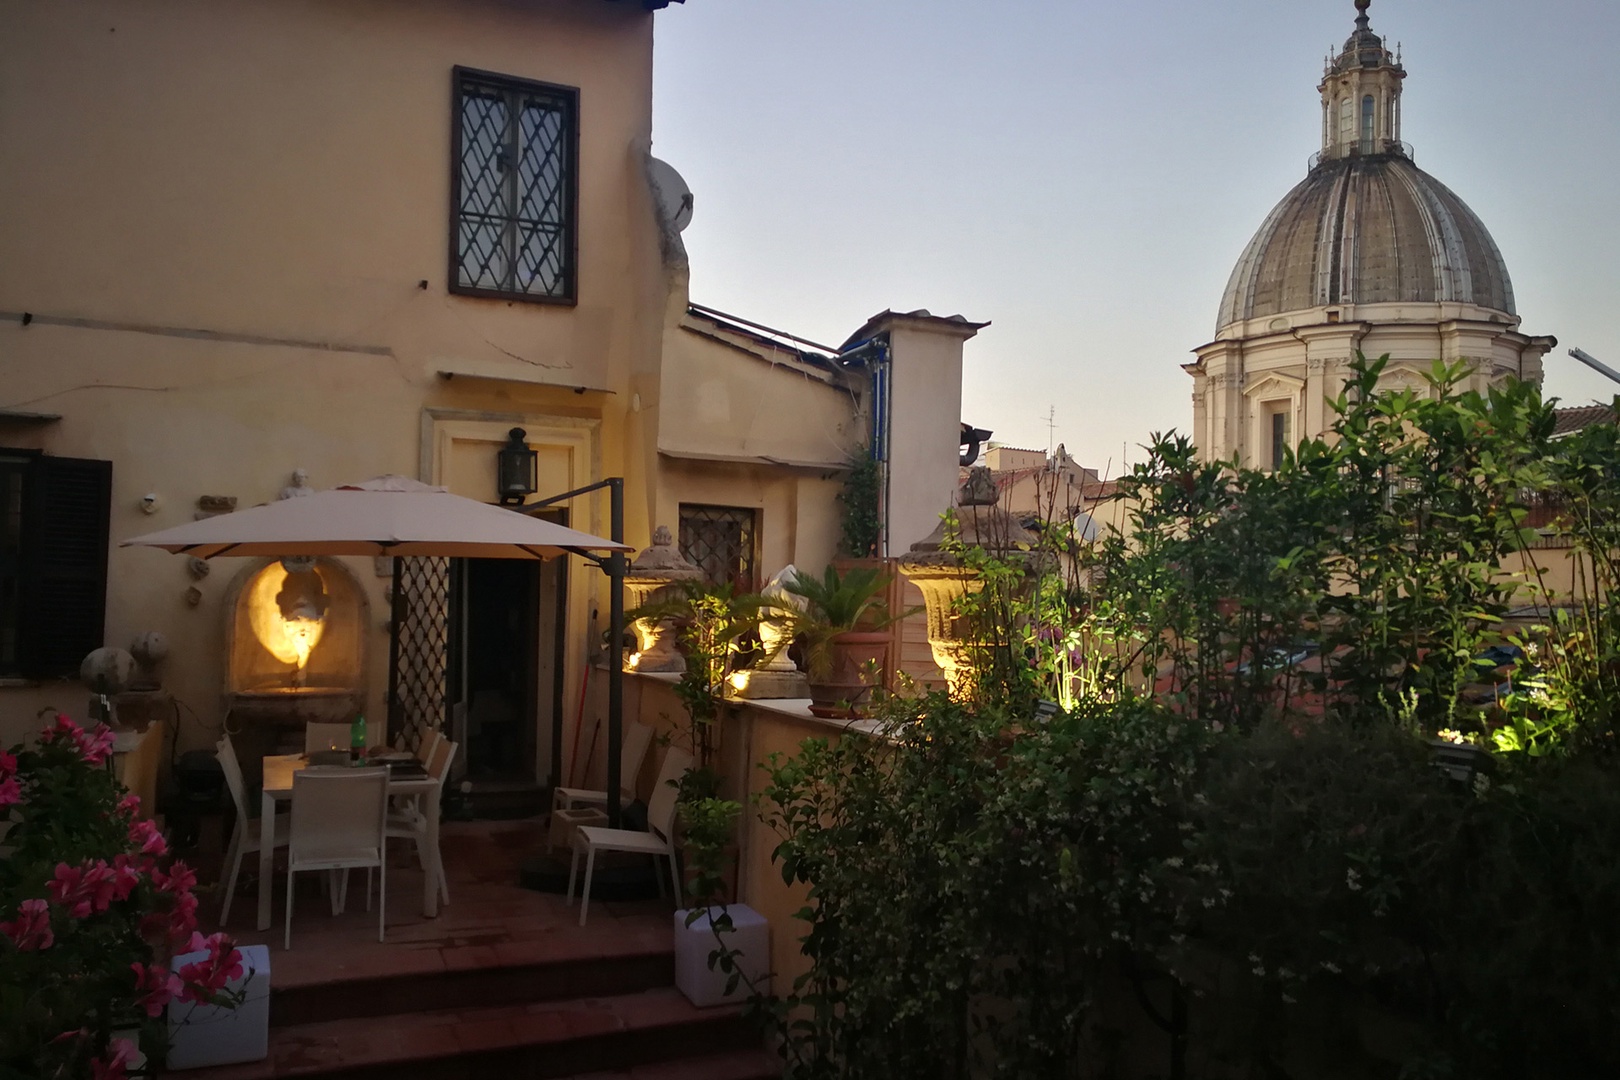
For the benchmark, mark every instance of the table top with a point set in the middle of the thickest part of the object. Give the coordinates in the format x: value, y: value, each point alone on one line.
x: 279, y: 769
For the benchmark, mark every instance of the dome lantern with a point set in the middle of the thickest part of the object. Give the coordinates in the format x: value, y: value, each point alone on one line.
x: 1361, y: 95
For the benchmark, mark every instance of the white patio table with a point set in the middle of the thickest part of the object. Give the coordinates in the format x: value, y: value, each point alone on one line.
x: 278, y: 781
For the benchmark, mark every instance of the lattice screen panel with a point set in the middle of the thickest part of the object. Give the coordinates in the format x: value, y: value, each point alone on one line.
x: 420, y: 655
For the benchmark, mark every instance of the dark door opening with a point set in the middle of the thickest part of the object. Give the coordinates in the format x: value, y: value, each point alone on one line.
x: 505, y: 668
x: 500, y: 649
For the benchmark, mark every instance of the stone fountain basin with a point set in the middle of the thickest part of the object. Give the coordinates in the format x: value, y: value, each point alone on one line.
x: 295, y: 704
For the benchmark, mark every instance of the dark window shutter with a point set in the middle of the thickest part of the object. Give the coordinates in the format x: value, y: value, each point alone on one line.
x: 66, y: 512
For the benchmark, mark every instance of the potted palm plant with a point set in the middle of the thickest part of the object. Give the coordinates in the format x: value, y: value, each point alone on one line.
x: 844, y: 629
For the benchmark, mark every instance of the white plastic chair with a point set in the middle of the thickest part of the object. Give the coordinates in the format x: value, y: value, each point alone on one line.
x: 428, y: 745
x: 656, y: 841
x: 408, y: 822
x: 339, y: 822
x: 637, y: 738
x: 245, y: 837
x: 319, y: 738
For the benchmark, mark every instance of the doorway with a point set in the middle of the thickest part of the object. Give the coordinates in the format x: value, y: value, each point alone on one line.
x: 506, y: 660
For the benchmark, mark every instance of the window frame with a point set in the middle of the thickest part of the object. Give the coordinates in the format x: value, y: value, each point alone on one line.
x: 570, y: 96
x: 744, y: 583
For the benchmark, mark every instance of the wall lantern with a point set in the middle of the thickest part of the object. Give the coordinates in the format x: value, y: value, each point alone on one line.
x: 516, y: 469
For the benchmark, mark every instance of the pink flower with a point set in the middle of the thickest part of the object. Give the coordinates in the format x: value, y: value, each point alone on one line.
x: 63, y: 728
x: 8, y: 763
x: 67, y: 888
x: 206, y: 977
x: 180, y: 879
x: 31, y: 929
x: 86, y: 889
x: 97, y: 745
x: 182, y: 917
x: 120, y: 1052
x: 129, y: 805
x: 93, y: 746
x: 156, y: 985
x: 145, y: 835
x: 125, y: 878
x: 10, y: 791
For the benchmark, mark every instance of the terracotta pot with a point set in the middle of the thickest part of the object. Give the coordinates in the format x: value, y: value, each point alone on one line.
x: 847, y: 686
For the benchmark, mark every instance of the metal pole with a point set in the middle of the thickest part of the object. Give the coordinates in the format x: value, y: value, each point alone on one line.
x: 1596, y: 365
x: 615, y: 708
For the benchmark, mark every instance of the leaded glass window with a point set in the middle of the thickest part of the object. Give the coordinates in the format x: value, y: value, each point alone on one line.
x: 514, y: 182
x: 720, y: 541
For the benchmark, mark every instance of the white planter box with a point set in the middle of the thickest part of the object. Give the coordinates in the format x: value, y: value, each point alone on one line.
x: 750, y: 936
x: 206, y: 1035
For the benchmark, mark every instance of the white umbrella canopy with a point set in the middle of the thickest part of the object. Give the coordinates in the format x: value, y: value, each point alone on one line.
x: 389, y: 515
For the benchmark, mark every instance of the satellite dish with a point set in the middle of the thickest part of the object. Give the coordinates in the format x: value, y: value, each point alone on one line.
x: 674, y: 197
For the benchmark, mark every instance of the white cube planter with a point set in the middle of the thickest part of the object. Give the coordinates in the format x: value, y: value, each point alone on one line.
x: 750, y: 936
x: 208, y: 1035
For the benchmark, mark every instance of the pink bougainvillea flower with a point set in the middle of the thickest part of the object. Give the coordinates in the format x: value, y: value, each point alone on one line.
x: 67, y: 888
x: 182, y: 917
x: 8, y: 763
x: 129, y: 805
x: 156, y: 986
x: 96, y: 746
x: 205, y: 977
x: 84, y: 889
x: 100, y: 883
x: 179, y: 879
x: 125, y: 878
x: 62, y: 729
x: 93, y: 746
x: 120, y: 1053
x: 10, y: 791
x: 31, y: 929
x: 145, y: 835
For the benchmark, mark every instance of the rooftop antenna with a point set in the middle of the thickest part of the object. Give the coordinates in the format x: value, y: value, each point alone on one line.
x: 1596, y: 365
x: 1051, y: 427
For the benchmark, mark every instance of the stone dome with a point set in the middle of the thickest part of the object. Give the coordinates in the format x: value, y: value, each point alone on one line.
x: 1367, y: 229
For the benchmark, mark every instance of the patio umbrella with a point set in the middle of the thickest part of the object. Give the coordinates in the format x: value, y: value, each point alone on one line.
x: 400, y: 517
x: 390, y: 515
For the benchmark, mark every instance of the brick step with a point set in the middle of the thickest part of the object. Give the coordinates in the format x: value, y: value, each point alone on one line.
x: 511, y: 973
x: 734, y: 1065
x: 655, y: 1035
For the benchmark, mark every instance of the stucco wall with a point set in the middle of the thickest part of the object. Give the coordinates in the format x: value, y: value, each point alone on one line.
x: 229, y: 212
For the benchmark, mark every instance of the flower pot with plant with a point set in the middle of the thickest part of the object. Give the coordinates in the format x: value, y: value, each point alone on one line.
x: 844, y: 628
x: 721, y: 948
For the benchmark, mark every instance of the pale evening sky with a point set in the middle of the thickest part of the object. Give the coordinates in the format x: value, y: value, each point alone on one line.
x: 1085, y: 173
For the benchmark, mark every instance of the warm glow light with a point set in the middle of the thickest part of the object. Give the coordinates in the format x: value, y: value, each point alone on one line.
x: 738, y: 680
x: 290, y: 637
x: 634, y: 661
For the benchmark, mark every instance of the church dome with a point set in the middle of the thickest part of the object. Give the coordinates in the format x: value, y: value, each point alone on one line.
x: 1367, y: 229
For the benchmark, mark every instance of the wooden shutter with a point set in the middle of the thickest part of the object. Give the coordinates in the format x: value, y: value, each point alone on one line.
x: 66, y: 507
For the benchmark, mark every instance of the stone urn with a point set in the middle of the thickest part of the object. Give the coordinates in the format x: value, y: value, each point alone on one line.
x: 938, y: 571
x: 776, y: 676
x: 648, y: 580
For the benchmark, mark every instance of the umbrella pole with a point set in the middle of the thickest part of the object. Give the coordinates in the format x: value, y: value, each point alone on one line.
x: 615, y: 571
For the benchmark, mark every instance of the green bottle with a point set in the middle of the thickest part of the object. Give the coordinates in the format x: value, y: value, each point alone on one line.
x: 357, y: 740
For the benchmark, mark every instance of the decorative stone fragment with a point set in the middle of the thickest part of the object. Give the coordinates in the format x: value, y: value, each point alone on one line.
x: 149, y: 649
x: 193, y: 595
x: 214, y: 505
x: 198, y: 568
x: 299, y: 486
